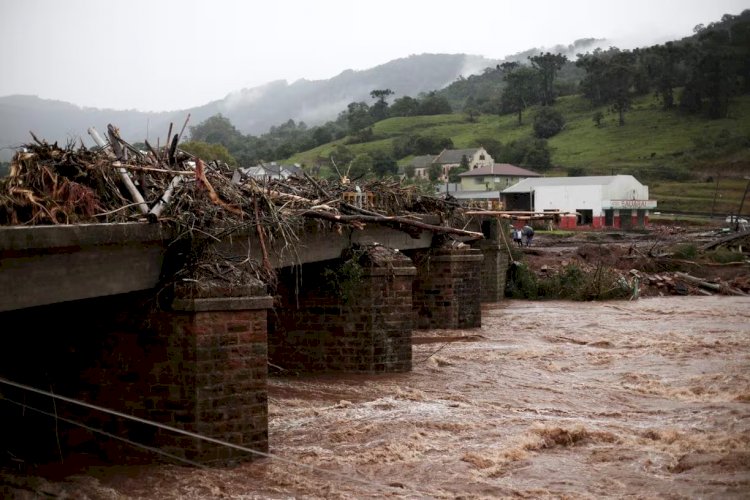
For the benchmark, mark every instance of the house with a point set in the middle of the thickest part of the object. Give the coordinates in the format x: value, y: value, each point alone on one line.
x: 421, y: 166
x: 618, y: 201
x: 266, y: 171
x: 497, y: 176
x: 452, y: 158
x: 481, y: 186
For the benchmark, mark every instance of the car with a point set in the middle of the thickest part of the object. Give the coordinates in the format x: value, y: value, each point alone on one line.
x: 733, y: 219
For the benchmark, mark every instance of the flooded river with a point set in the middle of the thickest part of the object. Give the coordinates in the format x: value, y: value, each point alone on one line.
x: 641, y: 399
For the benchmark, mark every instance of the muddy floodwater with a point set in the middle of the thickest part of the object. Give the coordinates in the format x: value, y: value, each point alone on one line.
x: 641, y: 399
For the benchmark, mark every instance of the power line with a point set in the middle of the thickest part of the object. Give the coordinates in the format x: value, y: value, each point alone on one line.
x: 183, y: 432
x: 105, y: 433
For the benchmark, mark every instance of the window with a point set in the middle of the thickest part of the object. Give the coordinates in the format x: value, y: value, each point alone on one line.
x: 481, y: 157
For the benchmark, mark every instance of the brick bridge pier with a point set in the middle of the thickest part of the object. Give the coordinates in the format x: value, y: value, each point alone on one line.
x: 83, y: 317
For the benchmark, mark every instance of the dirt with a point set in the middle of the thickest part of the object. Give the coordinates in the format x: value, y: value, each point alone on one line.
x: 652, y: 256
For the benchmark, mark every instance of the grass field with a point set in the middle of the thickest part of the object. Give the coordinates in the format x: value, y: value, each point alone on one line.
x: 680, y: 157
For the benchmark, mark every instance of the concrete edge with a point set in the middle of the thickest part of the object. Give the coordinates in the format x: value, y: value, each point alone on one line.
x: 18, y: 238
x: 223, y: 304
x: 457, y: 258
x: 395, y: 271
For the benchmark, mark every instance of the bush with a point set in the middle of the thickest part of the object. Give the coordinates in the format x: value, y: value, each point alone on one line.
x: 725, y: 256
x: 548, y: 122
x: 685, y: 251
x: 569, y: 283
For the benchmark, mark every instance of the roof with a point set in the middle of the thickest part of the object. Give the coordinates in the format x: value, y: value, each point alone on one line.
x: 526, y: 185
x: 269, y: 170
x: 454, y: 155
x: 423, y: 161
x: 505, y: 169
x: 476, y: 195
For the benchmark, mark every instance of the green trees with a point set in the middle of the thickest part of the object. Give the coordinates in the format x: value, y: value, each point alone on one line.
x: 217, y: 130
x: 530, y: 152
x: 379, y: 110
x: 405, y: 106
x: 522, y: 91
x: 434, y: 104
x: 547, y: 65
x: 609, y: 79
x: 209, y: 152
x: 548, y: 122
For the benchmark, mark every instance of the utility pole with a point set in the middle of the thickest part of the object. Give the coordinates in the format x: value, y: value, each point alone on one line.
x: 739, y: 212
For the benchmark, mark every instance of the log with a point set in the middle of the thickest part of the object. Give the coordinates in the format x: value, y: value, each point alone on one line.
x: 164, y: 199
x: 137, y: 197
x: 392, y: 221
x: 697, y: 281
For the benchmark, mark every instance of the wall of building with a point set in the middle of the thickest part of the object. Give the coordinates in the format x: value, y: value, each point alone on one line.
x: 569, y: 198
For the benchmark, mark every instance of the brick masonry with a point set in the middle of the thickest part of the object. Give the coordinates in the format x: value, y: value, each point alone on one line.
x: 494, y: 270
x: 447, y: 288
x: 200, y: 370
x: 326, y: 320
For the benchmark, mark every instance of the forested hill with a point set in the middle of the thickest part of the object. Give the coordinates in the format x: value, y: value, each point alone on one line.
x: 534, y: 102
x: 251, y: 111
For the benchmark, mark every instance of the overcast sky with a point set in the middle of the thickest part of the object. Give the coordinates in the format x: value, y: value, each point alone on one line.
x: 156, y: 55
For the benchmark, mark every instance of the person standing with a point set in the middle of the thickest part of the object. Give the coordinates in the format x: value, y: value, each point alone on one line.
x: 528, y: 232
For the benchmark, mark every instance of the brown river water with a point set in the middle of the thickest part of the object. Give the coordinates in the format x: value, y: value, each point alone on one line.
x: 641, y: 399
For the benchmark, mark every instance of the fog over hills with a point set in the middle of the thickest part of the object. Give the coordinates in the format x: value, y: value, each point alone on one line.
x: 253, y: 110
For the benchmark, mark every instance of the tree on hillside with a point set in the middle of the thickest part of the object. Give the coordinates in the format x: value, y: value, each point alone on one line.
x: 405, y: 106
x: 357, y: 116
x: 209, y: 152
x: 471, y: 109
x: 379, y: 110
x: 529, y: 152
x: 428, y: 145
x: 662, y: 64
x: 340, y: 158
x: 714, y: 73
x: 434, y: 104
x: 217, y: 130
x: 548, y: 122
x: 383, y: 164
x: 620, y: 73
x: 361, y: 166
x: 522, y: 91
x: 548, y: 65
x: 609, y: 79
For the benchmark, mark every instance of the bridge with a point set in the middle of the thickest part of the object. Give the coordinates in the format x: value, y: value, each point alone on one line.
x: 152, y: 292
x: 86, y: 314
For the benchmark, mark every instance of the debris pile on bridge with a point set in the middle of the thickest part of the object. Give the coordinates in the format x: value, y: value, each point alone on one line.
x: 116, y: 182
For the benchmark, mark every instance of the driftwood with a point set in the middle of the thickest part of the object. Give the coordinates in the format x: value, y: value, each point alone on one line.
x: 716, y: 287
x: 697, y: 281
x: 726, y: 239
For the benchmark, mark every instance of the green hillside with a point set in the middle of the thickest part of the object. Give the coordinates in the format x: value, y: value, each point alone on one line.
x: 679, y: 156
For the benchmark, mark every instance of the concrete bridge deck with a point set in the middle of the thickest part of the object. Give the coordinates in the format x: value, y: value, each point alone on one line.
x: 48, y: 264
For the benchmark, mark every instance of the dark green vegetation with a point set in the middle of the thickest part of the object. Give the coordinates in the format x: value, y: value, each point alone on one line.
x: 676, y: 116
x: 571, y: 282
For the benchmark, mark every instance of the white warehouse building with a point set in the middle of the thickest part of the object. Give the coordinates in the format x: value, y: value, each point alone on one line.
x: 618, y: 201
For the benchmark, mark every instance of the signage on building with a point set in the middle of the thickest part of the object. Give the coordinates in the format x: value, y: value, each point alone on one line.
x: 644, y: 204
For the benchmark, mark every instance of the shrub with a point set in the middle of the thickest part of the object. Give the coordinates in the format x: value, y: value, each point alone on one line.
x: 548, y: 122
